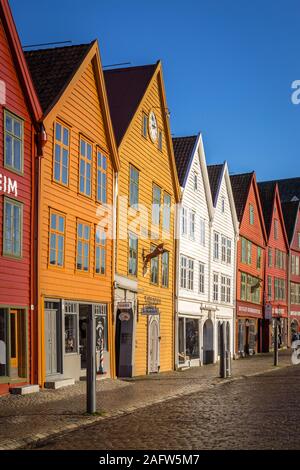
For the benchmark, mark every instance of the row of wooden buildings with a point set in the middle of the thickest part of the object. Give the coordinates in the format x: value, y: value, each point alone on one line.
x: 103, y: 213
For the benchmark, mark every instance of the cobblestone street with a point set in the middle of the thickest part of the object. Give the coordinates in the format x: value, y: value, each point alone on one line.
x: 261, y: 412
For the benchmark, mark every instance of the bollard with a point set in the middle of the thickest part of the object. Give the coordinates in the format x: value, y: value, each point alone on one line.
x: 91, y: 363
x: 223, y: 351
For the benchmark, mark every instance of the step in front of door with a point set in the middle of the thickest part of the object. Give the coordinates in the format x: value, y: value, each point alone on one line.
x: 24, y: 389
x: 59, y: 383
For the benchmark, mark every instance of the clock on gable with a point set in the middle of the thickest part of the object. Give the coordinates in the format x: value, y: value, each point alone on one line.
x: 153, y: 127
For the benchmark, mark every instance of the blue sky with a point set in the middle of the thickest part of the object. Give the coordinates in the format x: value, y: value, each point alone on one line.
x: 228, y: 66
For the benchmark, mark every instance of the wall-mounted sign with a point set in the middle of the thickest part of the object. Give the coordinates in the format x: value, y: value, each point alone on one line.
x: 150, y: 310
x: 124, y: 316
x: 8, y: 186
x: 249, y: 310
x: 152, y: 300
x: 268, y: 311
x: 124, y: 305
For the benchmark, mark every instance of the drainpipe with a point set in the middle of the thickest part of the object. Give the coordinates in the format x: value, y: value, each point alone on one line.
x: 289, y: 298
x: 234, y: 295
x: 176, y: 281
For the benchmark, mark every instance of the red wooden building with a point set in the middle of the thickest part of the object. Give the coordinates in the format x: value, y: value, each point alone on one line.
x: 250, y: 264
x: 19, y: 113
x: 276, y: 272
x: 291, y: 212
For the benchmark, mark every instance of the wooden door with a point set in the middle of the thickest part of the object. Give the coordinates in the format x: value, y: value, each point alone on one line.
x: 13, y: 339
x: 51, y: 341
x: 153, y: 345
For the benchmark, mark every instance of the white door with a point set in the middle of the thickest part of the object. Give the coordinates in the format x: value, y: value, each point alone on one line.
x: 50, y: 341
x: 153, y: 342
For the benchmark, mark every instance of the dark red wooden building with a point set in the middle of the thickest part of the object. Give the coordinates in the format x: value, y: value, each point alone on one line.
x: 19, y: 114
x: 276, y: 267
x: 250, y: 264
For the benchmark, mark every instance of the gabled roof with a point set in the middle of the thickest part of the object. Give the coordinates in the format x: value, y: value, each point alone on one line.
x: 289, y: 188
x: 290, y: 213
x: 52, y: 70
x: 215, y: 173
x: 240, y: 187
x: 184, y: 151
x: 125, y: 90
x: 19, y: 60
x: 267, y: 194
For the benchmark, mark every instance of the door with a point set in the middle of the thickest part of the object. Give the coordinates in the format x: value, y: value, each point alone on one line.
x: 13, y: 339
x: 51, y: 341
x: 208, y: 342
x: 153, y: 358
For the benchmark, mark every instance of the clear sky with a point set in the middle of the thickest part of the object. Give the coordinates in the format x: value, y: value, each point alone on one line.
x: 228, y: 66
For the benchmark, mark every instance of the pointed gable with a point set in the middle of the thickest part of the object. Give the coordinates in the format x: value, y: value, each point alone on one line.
x: 215, y: 173
x: 184, y: 148
x: 289, y: 189
x: 290, y: 213
x: 267, y: 194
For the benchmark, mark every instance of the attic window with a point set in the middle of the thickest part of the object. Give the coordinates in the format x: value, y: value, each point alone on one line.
x: 195, y: 181
x: 251, y: 213
x: 160, y: 139
x: 223, y: 204
x: 144, y: 125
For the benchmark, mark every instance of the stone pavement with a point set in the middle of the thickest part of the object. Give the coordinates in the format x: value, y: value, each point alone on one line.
x: 26, y: 421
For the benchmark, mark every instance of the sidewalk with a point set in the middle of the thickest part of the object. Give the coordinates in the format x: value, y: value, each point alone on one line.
x: 26, y: 420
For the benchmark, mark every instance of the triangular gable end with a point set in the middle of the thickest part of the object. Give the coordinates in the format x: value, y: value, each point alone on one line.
x: 276, y: 200
x: 253, y: 184
x: 225, y: 174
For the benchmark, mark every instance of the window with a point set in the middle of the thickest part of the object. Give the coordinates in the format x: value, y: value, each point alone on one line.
x: 160, y: 139
x: 228, y: 290
x: 295, y: 293
x: 192, y: 224
x: 201, y: 278
x: 144, y: 125
x: 246, y: 253
x: 190, y: 274
x: 83, y: 247
x: 195, y: 181
x: 154, y: 268
x: 156, y: 196
x: 165, y: 269
x: 249, y: 252
x: 228, y: 251
x: 183, y: 272
x: 216, y: 287
x: 100, y: 251
x: 223, y: 288
x: 184, y: 214
x: 223, y: 204
x: 251, y: 214
x: 250, y: 288
x: 71, y: 322
x: 57, y: 239
x: 133, y: 186
x: 276, y: 229
x: 133, y: 254
x: 279, y: 259
x: 279, y: 289
x: 216, y: 246
x: 101, y: 177
x: 270, y: 257
x: 85, y: 168
x: 202, y: 232
x: 223, y: 249
x: 61, y: 154
x: 186, y: 273
x: 258, y: 259
x: 12, y: 228
x: 269, y: 288
x: 166, y: 224
x: 13, y: 142
x: 298, y: 239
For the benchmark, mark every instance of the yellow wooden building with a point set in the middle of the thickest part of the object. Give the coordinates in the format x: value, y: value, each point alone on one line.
x: 76, y: 186
x: 147, y: 190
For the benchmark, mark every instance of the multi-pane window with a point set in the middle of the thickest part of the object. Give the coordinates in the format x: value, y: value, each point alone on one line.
x: 246, y: 252
x: 100, y: 251
x: 13, y: 142
x: 250, y: 288
x: 83, y: 246
x: 223, y: 249
x: 202, y: 232
x: 132, y: 254
x: 195, y: 181
x: 12, y: 228
x: 71, y: 327
x: 144, y: 125
x: 279, y: 259
x: 186, y: 273
x: 101, y: 177
x: 201, y: 277
x: 190, y: 285
x: 184, y: 219
x: 270, y: 257
x: 276, y: 229
x: 251, y: 214
x: 279, y: 289
x: 166, y: 224
x: 228, y: 290
x: 61, y: 154
x: 270, y: 288
x: 216, y: 245
x: 228, y: 257
x: 154, y: 268
x: 85, y: 168
x: 160, y: 139
x: 165, y: 269
x: 133, y: 186
x: 243, y: 286
x: 156, y: 198
x: 295, y: 265
x: 223, y: 288
x: 259, y: 258
x: 183, y: 272
x: 216, y: 287
x: 57, y: 239
x: 295, y: 293
x: 192, y: 224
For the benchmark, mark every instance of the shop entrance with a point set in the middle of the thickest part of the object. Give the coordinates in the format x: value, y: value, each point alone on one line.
x: 208, y: 342
x: 83, y: 317
x: 124, y: 343
x: 18, y: 359
x: 153, y: 344
x: 51, y: 341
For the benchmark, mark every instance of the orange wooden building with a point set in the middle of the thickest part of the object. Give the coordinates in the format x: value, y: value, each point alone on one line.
x: 250, y: 264
x: 76, y: 181
x: 19, y: 115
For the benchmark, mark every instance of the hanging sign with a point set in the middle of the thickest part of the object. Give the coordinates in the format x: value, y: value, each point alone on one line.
x: 124, y: 305
x: 124, y: 316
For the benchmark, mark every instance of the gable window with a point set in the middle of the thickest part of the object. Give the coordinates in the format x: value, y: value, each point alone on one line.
x: 216, y: 245
x: 195, y: 181
x: 276, y: 229
x: 192, y: 224
x: 251, y: 214
x: 165, y: 269
x: 202, y: 232
x: 83, y: 247
x: 100, y: 251
x: 13, y: 142
x: 12, y: 228
x: 85, y: 167
x: 259, y: 257
x: 57, y: 239
x: 154, y: 268
x: 160, y: 140
x: 156, y: 197
x: 184, y: 216
x: 223, y: 205
x: 270, y: 257
x: 61, y: 154
x: 132, y: 254
x: 166, y: 224
x: 133, y: 186
x: 144, y: 125
x: 201, y: 278
x: 101, y: 177
x: 216, y: 287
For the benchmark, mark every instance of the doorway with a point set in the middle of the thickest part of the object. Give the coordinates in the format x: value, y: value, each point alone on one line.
x: 124, y: 343
x: 153, y: 344
x: 14, y: 341
x: 208, y: 342
x: 83, y: 318
x: 51, y: 333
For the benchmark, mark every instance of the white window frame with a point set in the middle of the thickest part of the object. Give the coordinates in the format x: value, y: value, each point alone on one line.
x: 201, y: 278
